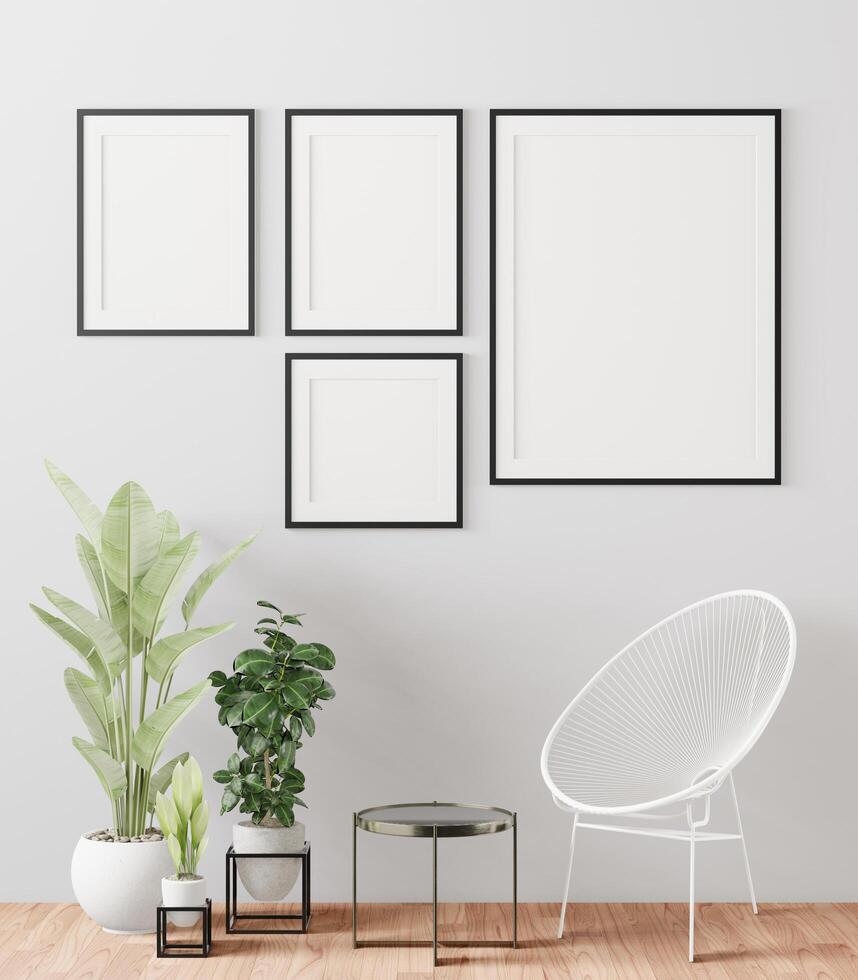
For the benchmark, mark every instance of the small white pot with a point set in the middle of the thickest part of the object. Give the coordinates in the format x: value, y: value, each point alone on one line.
x: 184, y: 891
x: 119, y: 885
x: 268, y: 880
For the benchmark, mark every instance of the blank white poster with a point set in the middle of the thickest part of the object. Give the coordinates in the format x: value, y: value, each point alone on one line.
x: 373, y: 440
x: 374, y: 223
x: 166, y: 224
x: 635, y: 325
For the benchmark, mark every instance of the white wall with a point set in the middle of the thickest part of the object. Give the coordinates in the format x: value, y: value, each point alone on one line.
x: 456, y: 648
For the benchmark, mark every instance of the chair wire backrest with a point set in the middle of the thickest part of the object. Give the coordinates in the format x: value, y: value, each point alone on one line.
x: 671, y: 714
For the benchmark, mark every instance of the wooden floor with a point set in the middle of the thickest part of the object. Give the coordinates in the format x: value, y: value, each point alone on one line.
x: 614, y: 942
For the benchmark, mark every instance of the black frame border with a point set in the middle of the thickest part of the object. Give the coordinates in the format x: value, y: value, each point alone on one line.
x: 363, y: 356
x: 494, y: 479
x: 459, y: 114
x: 82, y: 331
x: 164, y: 948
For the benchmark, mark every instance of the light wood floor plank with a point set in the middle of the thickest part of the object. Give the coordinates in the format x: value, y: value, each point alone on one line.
x: 602, y: 942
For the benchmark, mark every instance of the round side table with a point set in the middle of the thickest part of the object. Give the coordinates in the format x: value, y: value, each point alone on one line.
x: 435, y: 820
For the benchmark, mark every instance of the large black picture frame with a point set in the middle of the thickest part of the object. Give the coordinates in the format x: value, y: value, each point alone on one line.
x: 82, y: 330
x: 495, y: 114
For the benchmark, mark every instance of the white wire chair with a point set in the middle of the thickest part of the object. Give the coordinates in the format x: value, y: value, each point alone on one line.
x: 667, y: 719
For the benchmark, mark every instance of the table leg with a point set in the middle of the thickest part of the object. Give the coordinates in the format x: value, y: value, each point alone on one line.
x: 435, y: 896
x: 514, y: 880
x: 354, y: 881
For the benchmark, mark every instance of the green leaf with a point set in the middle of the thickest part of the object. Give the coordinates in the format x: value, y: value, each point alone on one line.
x: 299, y: 688
x: 129, y: 536
x: 269, y: 605
x: 175, y: 850
x: 88, y: 558
x: 233, y: 763
x: 160, y: 780
x: 218, y: 678
x: 210, y: 576
x: 279, y: 642
x: 79, y: 642
x: 228, y: 801
x: 222, y: 776
x: 168, y: 531
x: 107, y: 642
x: 309, y: 723
x: 182, y: 794
x: 286, y: 758
x: 315, y: 654
x: 88, y: 698
x: 149, y: 739
x: 167, y: 814
x: 110, y: 773
x: 267, y: 619
x: 257, y: 744
x: 326, y: 692
x: 303, y: 651
x: 168, y: 652
x: 153, y: 595
x: 195, y: 775
x: 260, y: 711
x: 235, y: 785
x: 284, y: 815
x: 199, y: 823
x: 295, y: 727
x: 88, y: 514
x: 234, y: 715
x: 254, y: 662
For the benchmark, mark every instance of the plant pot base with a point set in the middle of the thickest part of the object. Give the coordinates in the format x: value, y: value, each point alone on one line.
x: 119, y: 885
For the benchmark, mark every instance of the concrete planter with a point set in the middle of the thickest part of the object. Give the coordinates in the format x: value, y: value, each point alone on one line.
x: 268, y: 880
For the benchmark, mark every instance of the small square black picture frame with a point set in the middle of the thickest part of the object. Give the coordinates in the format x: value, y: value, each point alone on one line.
x: 459, y: 115
x: 494, y: 479
x: 82, y: 331
x: 232, y: 916
x: 457, y: 358
x: 167, y: 950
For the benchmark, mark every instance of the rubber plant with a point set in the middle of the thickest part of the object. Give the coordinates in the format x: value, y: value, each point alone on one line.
x: 268, y: 702
x: 134, y: 560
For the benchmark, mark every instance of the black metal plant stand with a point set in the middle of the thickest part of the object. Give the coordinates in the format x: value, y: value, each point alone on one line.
x: 167, y: 949
x: 233, y: 916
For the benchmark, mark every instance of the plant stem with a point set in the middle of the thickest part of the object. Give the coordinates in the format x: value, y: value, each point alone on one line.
x: 129, y: 792
x: 267, y: 765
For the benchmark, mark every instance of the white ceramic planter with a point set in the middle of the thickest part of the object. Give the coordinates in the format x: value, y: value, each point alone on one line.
x: 268, y: 880
x: 119, y: 885
x: 187, y: 891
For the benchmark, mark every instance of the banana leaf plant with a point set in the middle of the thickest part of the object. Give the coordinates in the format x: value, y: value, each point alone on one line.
x: 134, y: 560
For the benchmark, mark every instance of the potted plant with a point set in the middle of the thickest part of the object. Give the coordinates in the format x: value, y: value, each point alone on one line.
x: 134, y: 560
x: 268, y: 702
x: 184, y: 819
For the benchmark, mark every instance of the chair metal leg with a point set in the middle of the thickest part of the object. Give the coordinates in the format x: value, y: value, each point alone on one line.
x: 691, y: 888
x: 568, y: 879
x: 744, y: 848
